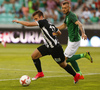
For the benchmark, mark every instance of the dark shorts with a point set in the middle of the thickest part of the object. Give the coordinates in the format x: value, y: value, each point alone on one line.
x: 56, y: 52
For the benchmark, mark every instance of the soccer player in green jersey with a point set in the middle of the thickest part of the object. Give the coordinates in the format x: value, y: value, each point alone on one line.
x: 73, y: 25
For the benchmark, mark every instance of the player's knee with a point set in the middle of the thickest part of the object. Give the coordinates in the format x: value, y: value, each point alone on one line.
x: 33, y: 56
x: 66, y: 58
x: 63, y: 64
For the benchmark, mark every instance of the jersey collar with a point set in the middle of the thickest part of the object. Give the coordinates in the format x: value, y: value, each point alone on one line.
x: 67, y: 13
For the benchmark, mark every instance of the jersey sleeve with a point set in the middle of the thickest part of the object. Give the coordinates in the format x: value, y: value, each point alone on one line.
x: 56, y: 29
x: 41, y: 23
x: 73, y: 18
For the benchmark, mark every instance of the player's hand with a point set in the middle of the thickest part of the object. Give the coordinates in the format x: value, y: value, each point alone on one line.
x: 15, y: 21
x: 54, y: 34
x: 84, y: 36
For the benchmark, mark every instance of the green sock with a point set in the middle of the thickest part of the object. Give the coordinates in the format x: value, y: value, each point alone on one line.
x: 82, y: 55
x: 75, y: 57
x: 75, y: 66
x: 74, y: 63
x: 80, y: 72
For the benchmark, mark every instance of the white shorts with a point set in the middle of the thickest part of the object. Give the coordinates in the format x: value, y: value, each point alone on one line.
x: 71, y: 48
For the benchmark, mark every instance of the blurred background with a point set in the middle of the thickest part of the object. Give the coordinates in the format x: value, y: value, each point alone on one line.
x: 87, y: 11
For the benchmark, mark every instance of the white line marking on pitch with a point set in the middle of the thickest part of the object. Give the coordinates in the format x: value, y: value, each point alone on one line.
x: 43, y: 71
x: 9, y: 79
x: 52, y: 76
x: 29, y: 70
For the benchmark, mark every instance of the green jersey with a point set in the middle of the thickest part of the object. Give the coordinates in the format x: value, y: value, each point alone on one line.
x: 73, y: 30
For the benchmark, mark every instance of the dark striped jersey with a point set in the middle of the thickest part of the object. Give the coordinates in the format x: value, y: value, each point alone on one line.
x: 47, y: 29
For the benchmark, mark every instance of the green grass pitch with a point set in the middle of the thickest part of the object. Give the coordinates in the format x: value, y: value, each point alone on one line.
x: 15, y: 61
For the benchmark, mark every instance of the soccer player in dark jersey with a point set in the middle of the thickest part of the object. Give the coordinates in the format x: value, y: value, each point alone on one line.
x: 73, y: 25
x: 50, y: 47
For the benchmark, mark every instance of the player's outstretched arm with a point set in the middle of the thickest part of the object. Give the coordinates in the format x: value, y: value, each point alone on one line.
x: 61, y: 27
x: 84, y: 36
x: 26, y: 23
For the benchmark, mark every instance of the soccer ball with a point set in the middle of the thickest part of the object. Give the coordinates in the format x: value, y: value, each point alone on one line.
x: 25, y: 80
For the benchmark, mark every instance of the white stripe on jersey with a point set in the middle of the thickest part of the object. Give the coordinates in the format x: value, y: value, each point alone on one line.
x: 47, y: 40
x: 54, y: 40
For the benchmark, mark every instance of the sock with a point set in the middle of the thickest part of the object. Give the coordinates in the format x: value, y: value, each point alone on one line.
x: 38, y: 65
x: 82, y: 55
x: 74, y: 57
x: 69, y: 69
x: 75, y: 66
x: 80, y: 72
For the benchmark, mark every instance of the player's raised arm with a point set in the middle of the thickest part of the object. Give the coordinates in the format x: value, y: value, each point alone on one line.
x: 61, y: 27
x: 26, y: 23
x: 84, y: 36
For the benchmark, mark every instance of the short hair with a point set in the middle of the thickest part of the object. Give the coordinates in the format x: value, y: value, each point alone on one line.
x: 65, y: 2
x: 39, y: 13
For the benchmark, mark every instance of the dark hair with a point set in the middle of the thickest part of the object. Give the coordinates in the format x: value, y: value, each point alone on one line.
x: 66, y: 2
x: 39, y: 13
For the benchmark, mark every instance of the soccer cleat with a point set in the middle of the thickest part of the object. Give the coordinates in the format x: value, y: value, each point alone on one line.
x: 39, y: 75
x: 81, y: 77
x: 88, y: 56
x: 3, y: 43
x: 76, y: 78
